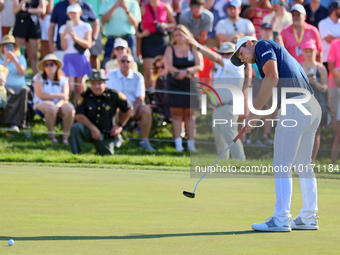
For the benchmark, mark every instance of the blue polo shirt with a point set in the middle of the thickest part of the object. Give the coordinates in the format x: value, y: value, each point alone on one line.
x: 291, y: 73
x: 59, y: 15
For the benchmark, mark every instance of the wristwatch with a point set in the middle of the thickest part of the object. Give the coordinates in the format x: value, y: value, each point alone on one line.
x: 199, y: 47
x: 120, y: 124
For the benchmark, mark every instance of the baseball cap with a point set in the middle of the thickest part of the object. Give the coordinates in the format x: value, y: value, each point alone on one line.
x: 333, y: 6
x: 227, y: 47
x: 73, y: 8
x: 299, y: 8
x: 235, y: 3
x: 234, y: 59
x: 119, y: 42
x: 309, y: 45
x: 266, y: 25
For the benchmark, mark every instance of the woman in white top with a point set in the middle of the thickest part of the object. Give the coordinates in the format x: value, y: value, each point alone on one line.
x: 75, y: 38
x: 51, y: 96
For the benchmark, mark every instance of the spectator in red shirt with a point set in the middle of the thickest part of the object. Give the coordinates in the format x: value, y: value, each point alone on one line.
x: 299, y: 33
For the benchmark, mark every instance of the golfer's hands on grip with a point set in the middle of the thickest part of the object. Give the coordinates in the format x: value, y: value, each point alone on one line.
x: 248, y: 121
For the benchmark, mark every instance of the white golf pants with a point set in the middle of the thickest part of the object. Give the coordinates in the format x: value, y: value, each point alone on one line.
x: 293, y: 146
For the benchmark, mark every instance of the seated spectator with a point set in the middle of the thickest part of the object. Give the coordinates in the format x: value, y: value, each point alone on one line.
x: 26, y: 29
x: 94, y: 113
x: 3, y: 91
x: 315, y: 12
x: 279, y: 17
x: 182, y: 62
x: 51, y: 96
x: 120, y: 47
x: 157, y: 69
x: 198, y: 20
x: 131, y: 84
x: 257, y: 12
x: 299, y: 33
x: 234, y: 25
x: 157, y: 19
x: 16, y: 109
x: 317, y: 75
x: 75, y: 38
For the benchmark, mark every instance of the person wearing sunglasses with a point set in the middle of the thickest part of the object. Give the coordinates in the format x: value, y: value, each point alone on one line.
x: 131, y: 84
x: 234, y: 25
x: 315, y: 12
x: 157, y: 70
x: 120, y: 47
x: 16, y: 111
x: 296, y: 35
x: 51, y: 96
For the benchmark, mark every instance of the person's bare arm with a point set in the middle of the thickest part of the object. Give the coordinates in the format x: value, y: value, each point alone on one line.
x: 51, y: 36
x: 106, y: 17
x: 39, y: 90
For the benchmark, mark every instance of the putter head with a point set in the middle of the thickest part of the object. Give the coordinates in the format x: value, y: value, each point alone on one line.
x: 189, y: 194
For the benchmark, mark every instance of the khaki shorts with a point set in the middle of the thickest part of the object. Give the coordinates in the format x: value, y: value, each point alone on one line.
x: 333, y: 99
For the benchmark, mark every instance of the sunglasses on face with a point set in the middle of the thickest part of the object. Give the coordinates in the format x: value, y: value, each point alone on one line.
x: 235, y: 27
x: 119, y: 48
x: 196, y: 6
x: 125, y: 61
x: 51, y: 64
x: 297, y: 14
x: 160, y: 67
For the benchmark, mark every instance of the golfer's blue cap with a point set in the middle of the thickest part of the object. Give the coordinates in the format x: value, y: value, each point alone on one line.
x: 234, y: 59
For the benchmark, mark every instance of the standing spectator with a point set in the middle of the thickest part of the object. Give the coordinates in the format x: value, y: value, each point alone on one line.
x: 45, y: 24
x: 120, y: 47
x: 198, y: 20
x: 218, y: 9
x: 182, y: 61
x: 59, y: 18
x: 279, y: 17
x: 315, y: 12
x: 10, y: 57
x: 330, y: 28
x: 75, y: 39
x: 157, y: 19
x: 257, y: 12
x: 7, y: 16
x: 120, y: 19
x: 94, y: 114
x: 234, y: 25
x: 27, y: 27
x: 131, y: 84
x: 299, y: 33
x: 317, y: 75
x: 225, y: 72
x: 333, y: 87
x: 51, y: 96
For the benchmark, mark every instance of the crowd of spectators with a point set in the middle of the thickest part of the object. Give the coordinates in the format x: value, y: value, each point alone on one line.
x: 174, y: 41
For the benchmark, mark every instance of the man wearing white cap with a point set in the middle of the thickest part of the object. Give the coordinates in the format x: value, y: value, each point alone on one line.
x: 293, y: 144
x: 299, y: 33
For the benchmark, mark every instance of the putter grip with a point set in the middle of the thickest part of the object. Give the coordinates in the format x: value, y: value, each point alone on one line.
x: 240, y: 134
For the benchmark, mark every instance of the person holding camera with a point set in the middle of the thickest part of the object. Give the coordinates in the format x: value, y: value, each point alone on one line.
x: 75, y: 39
x: 15, y: 113
x: 27, y: 27
x: 94, y: 115
x: 157, y: 19
x: 279, y: 18
x: 182, y: 61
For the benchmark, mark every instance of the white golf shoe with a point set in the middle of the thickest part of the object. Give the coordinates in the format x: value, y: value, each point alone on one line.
x: 299, y: 223
x: 272, y: 224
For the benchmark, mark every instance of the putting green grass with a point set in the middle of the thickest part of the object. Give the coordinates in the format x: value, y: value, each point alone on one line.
x: 60, y: 210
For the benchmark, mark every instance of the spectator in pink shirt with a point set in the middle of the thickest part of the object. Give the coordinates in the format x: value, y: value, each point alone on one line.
x: 334, y: 88
x: 299, y: 33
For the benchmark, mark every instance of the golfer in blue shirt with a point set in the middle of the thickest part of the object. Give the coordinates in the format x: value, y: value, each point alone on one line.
x: 298, y: 118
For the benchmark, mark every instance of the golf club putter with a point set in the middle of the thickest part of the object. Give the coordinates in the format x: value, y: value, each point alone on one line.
x: 192, y: 195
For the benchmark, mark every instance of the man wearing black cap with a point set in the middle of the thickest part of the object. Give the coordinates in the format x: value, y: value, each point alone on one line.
x: 94, y: 115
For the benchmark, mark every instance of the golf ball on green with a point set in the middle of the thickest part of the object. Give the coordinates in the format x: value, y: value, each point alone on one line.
x: 10, y: 242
